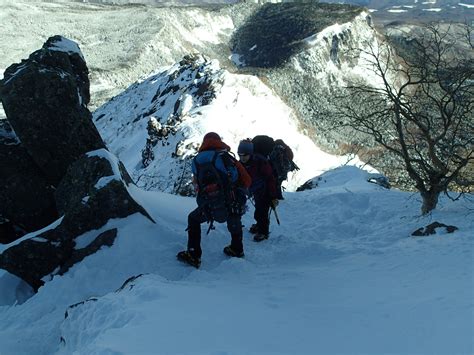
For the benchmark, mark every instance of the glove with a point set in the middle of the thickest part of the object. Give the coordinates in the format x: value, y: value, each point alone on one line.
x: 275, y: 203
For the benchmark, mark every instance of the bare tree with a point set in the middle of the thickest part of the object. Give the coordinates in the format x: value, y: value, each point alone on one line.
x: 421, y: 110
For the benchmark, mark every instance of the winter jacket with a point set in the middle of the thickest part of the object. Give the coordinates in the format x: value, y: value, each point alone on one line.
x: 263, y: 180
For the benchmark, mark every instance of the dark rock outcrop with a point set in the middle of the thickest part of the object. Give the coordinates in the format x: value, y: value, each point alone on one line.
x: 430, y: 229
x: 93, y: 191
x: 308, y: 185
x: 45, y: 99
x: 26, y: 198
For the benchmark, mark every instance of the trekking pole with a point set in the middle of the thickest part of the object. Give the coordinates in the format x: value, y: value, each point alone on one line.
x: 251, y: 201
x: 211, y: 227
x: 276, y: 215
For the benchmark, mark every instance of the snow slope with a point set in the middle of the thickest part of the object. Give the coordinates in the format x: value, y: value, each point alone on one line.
x: 341, y: 274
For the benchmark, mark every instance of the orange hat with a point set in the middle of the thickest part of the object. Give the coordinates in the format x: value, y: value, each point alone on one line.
x: 211, y: 135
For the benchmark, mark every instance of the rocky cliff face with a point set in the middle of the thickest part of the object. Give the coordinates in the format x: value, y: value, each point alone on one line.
x: 56, y: 165
x: 94, y: 190
x: 46, y: 93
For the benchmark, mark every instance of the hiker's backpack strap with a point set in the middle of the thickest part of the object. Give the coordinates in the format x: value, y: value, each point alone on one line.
x: 227, y: 165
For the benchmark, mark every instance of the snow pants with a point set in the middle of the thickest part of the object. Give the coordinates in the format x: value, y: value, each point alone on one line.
x: 197, y: 217
x: 262, y: 208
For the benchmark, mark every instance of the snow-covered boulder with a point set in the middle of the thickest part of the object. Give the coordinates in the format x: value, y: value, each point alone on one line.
x: 345, y: 175
x: 94, y: 191
x: 45, y: 100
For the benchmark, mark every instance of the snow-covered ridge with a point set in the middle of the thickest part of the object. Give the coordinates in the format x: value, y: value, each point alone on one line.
x: 174, y: 109
x: 332, y: 57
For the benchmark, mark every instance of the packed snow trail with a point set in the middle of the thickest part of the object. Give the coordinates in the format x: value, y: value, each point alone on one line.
x: 340, y: 275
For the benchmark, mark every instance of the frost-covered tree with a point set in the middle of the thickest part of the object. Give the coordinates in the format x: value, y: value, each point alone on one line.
x: 422, y: 111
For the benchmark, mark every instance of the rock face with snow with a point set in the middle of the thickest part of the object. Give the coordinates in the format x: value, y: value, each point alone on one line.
x: 45, y: 99
x: 27, y: 197
x: 94, y: 190
x: 148, y: 125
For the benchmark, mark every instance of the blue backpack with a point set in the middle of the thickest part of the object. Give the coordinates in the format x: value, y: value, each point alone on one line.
x: 216, y: 175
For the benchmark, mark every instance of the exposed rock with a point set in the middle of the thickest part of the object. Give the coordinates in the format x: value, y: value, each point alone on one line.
x: 431, y: 229
x: 8, y: 231
x: 129, y: 283
x: 51, y: 253
x: 380, y: 180
x: 106, y: 238
x: 309, y: 185
x: 45, y: 99
x: 93, y: 191
x: 27, y: 199
x: 66, y: 314
x: 35, y: 258
x: 159, y: 105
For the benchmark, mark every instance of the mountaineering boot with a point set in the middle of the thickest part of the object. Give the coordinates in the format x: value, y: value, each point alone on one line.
x: 253, y: 229
x: 232, y: 253
x: 186, y: 257
x: 260, y: 236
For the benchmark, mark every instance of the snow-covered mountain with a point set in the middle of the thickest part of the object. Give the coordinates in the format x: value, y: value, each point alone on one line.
x: 341, y: 274
x: 122, y: 44
x: 156, y: 125
x: 416, y: 11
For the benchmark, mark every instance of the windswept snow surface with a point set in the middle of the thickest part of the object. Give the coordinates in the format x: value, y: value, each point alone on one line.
x: 341, y: 274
